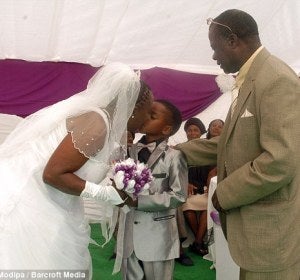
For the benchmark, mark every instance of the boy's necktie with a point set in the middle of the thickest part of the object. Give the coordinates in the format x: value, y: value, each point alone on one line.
x: 145, y: 150
x: 151, y: 146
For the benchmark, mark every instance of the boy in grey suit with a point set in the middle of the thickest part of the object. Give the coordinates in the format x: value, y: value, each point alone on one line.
x: 151, y: 241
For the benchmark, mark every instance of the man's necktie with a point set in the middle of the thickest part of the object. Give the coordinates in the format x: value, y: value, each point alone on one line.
x: 234, y: 97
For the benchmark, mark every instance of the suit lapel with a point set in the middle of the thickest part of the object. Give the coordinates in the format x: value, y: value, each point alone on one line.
x: 244, y: 92
x: 246, y: 89
x: 157, y: 153
x: 154, y: 157
x: 134, y: 152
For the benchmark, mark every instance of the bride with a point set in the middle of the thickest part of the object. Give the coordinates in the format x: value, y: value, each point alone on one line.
x: 55, y: 158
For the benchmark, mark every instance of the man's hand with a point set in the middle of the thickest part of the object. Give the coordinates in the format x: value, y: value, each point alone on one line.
x: 216, y: 203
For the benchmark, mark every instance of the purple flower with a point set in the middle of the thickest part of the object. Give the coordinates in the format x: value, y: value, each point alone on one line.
x: 215, y: 217
x: 135, y: 177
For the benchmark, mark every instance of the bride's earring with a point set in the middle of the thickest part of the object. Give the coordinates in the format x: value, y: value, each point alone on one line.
x: 132, y: 116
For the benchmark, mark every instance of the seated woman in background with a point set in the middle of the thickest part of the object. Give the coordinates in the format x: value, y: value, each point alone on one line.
x: 194, y: 128
x: 195, y: 208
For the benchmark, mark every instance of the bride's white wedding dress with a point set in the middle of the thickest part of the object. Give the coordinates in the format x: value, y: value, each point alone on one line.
x: 40, y: 226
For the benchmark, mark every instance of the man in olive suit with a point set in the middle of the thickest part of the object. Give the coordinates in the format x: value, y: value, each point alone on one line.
x: 257, y: 154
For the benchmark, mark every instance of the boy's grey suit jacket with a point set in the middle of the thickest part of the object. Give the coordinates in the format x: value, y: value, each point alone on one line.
x: 151, y: 229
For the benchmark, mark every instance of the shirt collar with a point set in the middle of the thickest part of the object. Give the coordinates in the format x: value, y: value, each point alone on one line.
x: 143, y: 141
x: 240, y: 78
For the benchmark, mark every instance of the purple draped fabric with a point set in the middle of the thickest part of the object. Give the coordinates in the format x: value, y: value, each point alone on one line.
x: 26, y: 87
x: 190, y: 92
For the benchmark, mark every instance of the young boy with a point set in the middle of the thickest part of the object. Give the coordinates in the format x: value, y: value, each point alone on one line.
x: 151, y: 241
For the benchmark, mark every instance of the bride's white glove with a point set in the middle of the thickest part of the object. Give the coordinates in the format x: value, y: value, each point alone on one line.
x: 100, y: 192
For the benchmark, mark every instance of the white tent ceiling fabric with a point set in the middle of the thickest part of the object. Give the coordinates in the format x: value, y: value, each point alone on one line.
x: 140, y: 33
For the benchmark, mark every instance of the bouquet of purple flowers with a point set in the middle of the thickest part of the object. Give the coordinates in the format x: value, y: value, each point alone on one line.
x: 132, y: 177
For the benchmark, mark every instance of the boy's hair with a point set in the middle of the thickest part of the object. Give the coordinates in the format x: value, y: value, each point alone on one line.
x: 176, y: 118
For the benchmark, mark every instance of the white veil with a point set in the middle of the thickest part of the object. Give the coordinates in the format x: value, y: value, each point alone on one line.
x: 115, y: 83
x: 113, y: 89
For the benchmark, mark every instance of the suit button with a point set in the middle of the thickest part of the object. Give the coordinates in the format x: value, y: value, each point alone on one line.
x: 135, y: 222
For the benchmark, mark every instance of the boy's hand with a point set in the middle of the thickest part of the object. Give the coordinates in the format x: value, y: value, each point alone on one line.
x: 127, y: 199
x: 131, y: 202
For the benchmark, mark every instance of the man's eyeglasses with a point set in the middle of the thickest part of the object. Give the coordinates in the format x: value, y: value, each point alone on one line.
x: 210, y: 21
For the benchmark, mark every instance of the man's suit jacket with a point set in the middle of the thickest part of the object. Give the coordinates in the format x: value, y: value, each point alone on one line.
x: 258, y: 160
x: 151, y: 229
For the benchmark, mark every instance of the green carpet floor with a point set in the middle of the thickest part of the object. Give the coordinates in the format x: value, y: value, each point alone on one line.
x: 102, y: 266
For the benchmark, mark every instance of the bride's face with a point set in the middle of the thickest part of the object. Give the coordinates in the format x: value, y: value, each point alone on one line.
x: 140, y: 115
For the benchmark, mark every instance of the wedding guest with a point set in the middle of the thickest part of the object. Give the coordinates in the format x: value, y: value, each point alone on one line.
x: 257, y: 154
x: 215, y: 128
x: 183, y: 258
x: 57, y: 156
x: 193, y: 128
x: 195, y: 208
x: 151, y: 240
